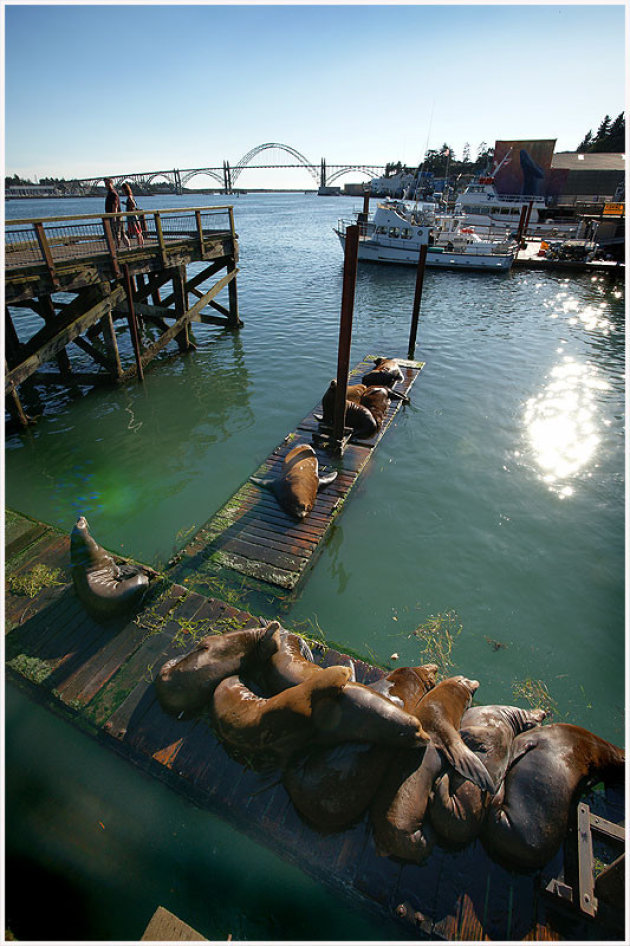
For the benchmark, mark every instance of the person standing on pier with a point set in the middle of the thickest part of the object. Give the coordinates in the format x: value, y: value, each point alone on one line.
x: 112, y: 206
x: 133, y: 223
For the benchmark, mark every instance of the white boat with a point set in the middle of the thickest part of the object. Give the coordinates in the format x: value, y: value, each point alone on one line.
x: 484, y: 208
x: 395, y: 233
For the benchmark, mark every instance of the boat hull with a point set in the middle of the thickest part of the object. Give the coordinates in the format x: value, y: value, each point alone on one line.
x: 437, y: 258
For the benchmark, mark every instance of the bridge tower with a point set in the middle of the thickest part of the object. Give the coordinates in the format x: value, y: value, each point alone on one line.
x: 322, y: 173
x: 227, y: 177
x: 178, y: 182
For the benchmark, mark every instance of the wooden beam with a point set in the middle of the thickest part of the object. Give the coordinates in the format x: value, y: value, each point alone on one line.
x: 70, y: 332
x: 94, y: 353
x: 40, y: 233
x: 111, y: 345
x: 163, y: 340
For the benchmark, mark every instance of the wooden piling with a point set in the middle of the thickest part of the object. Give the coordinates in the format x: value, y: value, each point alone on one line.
x: 133, y: 324
x: 345, y: 333
x: 422, y: 258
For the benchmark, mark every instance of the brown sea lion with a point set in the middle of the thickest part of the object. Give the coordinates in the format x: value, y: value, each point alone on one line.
x: 276, y: 726
x: 365, y: 406
x: 289, y: 661
x: 332, y: 786
x: 386, y: 371
x: 406, y: 686
x: 296, y: 486
x: 105, y: 588
x: 186, y: 684
x: 376, y: 400
x: 457, y: 806
x: 400, y: 804
x: 358, y: 714
x: 529, y: 816
x: 358, y: 417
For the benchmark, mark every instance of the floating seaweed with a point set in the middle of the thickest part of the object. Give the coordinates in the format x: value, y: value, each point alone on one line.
x: 535, y: 693
x: 438, y: 633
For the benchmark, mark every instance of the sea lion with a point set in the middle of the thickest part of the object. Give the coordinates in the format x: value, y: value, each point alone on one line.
x: 276, y: 726
x: 186, y: 684
x: 457, y: 806
x: 296, y: 486
x: 332, y: 786
x: 358, y: 417
x: 366, y: 406
x: 406, y: 686
x: 400, y: 804
x: 529, y: 816
x: 387, y: 372
x: 105, y: 588
x: 358, y: 714
x: 288, y: 662
x: 376, y: 401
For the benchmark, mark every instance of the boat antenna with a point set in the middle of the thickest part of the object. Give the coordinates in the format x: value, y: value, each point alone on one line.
x: 426, y: 148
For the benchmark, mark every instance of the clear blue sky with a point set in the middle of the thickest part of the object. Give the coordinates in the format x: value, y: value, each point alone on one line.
x: 112, y: 89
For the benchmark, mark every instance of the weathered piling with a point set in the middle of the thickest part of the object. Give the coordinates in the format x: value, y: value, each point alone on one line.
x: 345, y: 334
x: 417, y: 299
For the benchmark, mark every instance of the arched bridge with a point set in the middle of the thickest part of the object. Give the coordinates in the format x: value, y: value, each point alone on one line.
x: 226, y: 175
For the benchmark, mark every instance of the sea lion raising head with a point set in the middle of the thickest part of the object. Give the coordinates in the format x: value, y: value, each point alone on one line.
x: 296, y: 486
x: 105, y: 588
x: 400, y: 805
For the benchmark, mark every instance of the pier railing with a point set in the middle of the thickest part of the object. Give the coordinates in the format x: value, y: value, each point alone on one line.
x: 50, y: 240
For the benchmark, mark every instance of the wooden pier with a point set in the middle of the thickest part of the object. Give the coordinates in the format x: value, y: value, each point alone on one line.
x: 71, y: 273
x: 252, y: 536
x: 100, y: 677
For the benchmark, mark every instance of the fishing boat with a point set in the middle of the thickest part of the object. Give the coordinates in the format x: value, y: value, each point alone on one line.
x: 483, y: 207
x: 396, y: 231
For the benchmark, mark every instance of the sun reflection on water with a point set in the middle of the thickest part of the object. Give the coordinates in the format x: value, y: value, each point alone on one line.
x: 562, y: 423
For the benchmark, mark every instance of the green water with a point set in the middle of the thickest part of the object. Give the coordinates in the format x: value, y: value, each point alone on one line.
x: 496, y: 498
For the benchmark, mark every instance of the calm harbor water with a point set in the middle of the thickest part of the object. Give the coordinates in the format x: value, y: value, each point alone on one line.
x: 495, y: 504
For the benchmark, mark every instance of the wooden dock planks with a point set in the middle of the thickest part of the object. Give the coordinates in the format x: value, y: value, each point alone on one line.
x: 253, y: 536
x: 101, y: 677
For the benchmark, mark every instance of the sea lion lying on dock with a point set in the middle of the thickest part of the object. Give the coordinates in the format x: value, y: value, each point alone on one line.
x: 332, y: 787
x: 529, y: 816
x: 276, y: 726
x: 105, y: 588
x: 366, y: 406
x: 399, y: 807
x: 387, y: 372
x: 186, y: 684
x: 357, y: 714
x: 297, y: 484
x: 458, y: 806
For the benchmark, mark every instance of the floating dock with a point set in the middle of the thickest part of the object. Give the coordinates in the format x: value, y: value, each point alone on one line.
x: 529, y: 259
x: 100, y: 677
x: 252, y: 536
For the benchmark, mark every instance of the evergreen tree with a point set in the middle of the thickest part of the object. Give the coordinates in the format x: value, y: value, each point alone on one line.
x: 586, y: 142
x: 602, y: 131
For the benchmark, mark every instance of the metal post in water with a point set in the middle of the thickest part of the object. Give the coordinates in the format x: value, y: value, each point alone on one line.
x: 133, y: 325
x: 345, y: 333
x: 363, y: 216
x: 417, y: 299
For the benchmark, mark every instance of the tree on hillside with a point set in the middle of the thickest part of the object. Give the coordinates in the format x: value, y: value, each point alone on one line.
x: 610, y: 137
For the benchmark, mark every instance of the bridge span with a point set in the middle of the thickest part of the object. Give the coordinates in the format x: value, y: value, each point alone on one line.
x: 227, y: 175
